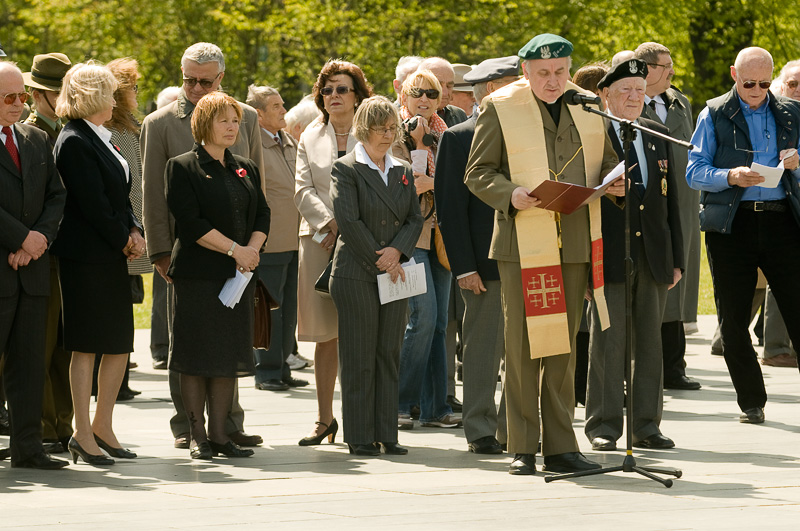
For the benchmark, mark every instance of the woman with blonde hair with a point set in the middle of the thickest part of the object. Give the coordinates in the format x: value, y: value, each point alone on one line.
x: 98, y: 235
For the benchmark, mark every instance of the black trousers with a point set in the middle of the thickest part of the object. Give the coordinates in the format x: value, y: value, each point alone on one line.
x: 23, y: 321
x: 769, y: 240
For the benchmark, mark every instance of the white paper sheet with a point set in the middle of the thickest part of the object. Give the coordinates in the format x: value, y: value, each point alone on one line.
x: 415, y: 283
x: 772, y: 176
x: 234, y: 287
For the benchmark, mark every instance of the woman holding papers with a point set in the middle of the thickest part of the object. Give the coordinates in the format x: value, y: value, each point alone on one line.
x: 377, y: 211
x: 98, y: 234
x: 221, y: 222
x: 338, y: 91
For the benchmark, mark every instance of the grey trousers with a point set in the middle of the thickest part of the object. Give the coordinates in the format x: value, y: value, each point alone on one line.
x: 607, y: 365
x: 483, y: 348
x: 776, y: 337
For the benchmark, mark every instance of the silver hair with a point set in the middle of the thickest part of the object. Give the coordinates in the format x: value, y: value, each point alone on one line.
x: 257, y: 95
x: 480, y: 91
x: 432, y: 62
x: 202, y: 53
x: 302, y: 114
x: 787, y: 66
x: 619, y: 57
x: 167, y: 96
x: 406, y: 65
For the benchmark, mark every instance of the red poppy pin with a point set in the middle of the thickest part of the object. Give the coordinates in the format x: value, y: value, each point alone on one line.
x: 404, y: 180
x: 241, y: 172
x: 117, y: 148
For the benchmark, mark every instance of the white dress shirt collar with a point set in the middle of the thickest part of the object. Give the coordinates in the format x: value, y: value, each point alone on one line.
x: 363, y: 158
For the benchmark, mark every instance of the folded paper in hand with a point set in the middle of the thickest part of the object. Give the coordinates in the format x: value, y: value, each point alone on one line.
x: 234, y: 288
x: 567, y: 198
x: 414, y: 284
x: 772, y: 176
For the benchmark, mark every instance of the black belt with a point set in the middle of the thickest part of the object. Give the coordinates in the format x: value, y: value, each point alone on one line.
x: 781, y: 205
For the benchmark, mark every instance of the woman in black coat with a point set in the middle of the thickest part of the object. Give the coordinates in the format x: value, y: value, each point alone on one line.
x: 221, y: 223
x: 98, y: 234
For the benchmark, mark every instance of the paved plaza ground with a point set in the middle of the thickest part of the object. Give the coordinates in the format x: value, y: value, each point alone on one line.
x: 735, y: 476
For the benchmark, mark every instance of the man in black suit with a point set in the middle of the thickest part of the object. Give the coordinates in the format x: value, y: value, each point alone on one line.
x: 657, y: 253
x: 466, y: 223
x: 31, y: 204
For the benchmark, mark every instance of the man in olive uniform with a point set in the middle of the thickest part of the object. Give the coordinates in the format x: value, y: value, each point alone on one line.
x: 543, y: 257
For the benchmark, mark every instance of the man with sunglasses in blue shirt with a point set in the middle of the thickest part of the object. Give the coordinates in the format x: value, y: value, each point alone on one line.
x: 749, y: 226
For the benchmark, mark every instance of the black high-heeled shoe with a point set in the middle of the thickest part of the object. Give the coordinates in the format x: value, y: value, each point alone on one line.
x: 330, y: 432
x: 394, y: 448
x: 75, y: 450
x: 202, y: 451
x: 122, y: 453
x: 364, y: 449
x: 230, y: 449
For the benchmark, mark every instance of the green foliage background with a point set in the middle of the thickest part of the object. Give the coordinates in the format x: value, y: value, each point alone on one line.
x: 285, y: 42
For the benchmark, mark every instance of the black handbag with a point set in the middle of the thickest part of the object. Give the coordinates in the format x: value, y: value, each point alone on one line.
x: 322, y: 285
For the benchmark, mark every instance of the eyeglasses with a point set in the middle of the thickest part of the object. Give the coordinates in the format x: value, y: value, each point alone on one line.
x: 791, y: 84
x: 205, y: 83
x: 763, y: 85
x: 341, y: 90
x: 668, y: 65
x: 8, y: 99
x: 136, y: 88
x: 384, y: 131
x: 416, y: 92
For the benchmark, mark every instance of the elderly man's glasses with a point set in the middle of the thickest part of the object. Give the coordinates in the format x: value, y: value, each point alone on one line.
x: 8, y: 99
x: 763, y: 85
x: 205, y: 83
x: 791, y: 84
x: 341, y: 90
x: 668, y: 65
x: 415, y: 92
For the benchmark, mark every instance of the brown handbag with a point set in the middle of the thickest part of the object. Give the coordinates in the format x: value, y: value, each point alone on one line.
x: 262, y: 323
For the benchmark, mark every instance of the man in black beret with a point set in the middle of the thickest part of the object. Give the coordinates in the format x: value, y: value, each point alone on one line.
x: 466, y: 223
x: 657, y: 253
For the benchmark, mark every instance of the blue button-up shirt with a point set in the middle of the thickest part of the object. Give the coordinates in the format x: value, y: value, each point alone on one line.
x: 701, y: 173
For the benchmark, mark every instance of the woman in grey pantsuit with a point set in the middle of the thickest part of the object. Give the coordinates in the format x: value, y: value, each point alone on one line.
x: 376, y: 208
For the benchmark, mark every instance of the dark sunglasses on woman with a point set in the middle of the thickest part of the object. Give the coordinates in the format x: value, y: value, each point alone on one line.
x: 340, y: 90
x: 415, y: 92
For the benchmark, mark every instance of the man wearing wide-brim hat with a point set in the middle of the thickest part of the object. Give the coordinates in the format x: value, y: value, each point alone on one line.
x: 44, y: 79
x: 525, y: 135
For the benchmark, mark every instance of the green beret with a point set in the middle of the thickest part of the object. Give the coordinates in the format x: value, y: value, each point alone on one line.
x: 546, y: 46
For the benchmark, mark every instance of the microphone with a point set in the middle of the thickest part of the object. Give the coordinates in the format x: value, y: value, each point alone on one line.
x: 573, y: 97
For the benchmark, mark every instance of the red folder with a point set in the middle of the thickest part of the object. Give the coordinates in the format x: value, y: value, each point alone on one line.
x: 567, y: 198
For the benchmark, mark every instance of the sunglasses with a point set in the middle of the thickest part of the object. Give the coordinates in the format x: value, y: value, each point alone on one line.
x: 341, y: 90
x: 205, y: 83
x: 791, y: 84
x: 764, y: 85
x: 415, y: 92
x: 8, y: 99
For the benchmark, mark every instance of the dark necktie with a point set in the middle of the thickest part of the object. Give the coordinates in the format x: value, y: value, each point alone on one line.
x: 12, y: 147
x: 634, y: 170
x: 652, y: 105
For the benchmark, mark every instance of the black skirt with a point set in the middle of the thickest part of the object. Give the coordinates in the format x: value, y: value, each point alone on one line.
x: 97, y: 306
x: 210, y: 339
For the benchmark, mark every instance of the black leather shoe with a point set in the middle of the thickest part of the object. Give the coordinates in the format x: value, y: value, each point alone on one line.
x: 655, y: 441
x: 245, y: 439
x: 568, y: 462
x: 122, y: 453
x: 202, y: 451
x: 485, y: 445
x: 230, y: 449
x: 394, y: 449
x: 364, y: 449
x: 76, y: 450
x: 754, y: 415
x: 683, y: 383
x: 523, y: 465
x: 295, y: 382
x: 604, y: 443
x: 52, y: 447
x: 414, y: 412
x: 5, y: 453
x: 182, y: 441
x: 126, y: 394
x: 42, y: 461
x: 272, y: 385
x: 455, y: 404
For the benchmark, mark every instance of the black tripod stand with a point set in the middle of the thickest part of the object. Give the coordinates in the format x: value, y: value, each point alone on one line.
x: 628, y: 135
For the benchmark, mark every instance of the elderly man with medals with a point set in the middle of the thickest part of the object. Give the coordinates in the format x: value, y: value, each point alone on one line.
x: 524, y: 136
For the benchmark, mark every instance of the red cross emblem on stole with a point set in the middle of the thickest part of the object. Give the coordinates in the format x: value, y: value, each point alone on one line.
x: 597, y: 264
x: 543, y: 289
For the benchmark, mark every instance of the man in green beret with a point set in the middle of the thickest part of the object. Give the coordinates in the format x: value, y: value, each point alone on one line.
x: 525, y: 135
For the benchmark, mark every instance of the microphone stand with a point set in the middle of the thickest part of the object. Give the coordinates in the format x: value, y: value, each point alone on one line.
x: 628, y: 135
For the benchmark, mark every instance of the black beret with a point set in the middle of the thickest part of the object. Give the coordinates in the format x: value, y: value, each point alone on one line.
x: 629, y: 68
x: 492, y: 69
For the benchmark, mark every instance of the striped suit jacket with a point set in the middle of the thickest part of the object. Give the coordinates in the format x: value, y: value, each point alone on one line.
x: 371, y: 216
x: 32, y: 199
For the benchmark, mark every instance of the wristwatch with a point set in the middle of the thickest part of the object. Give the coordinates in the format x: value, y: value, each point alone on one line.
x: 230, y: 251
